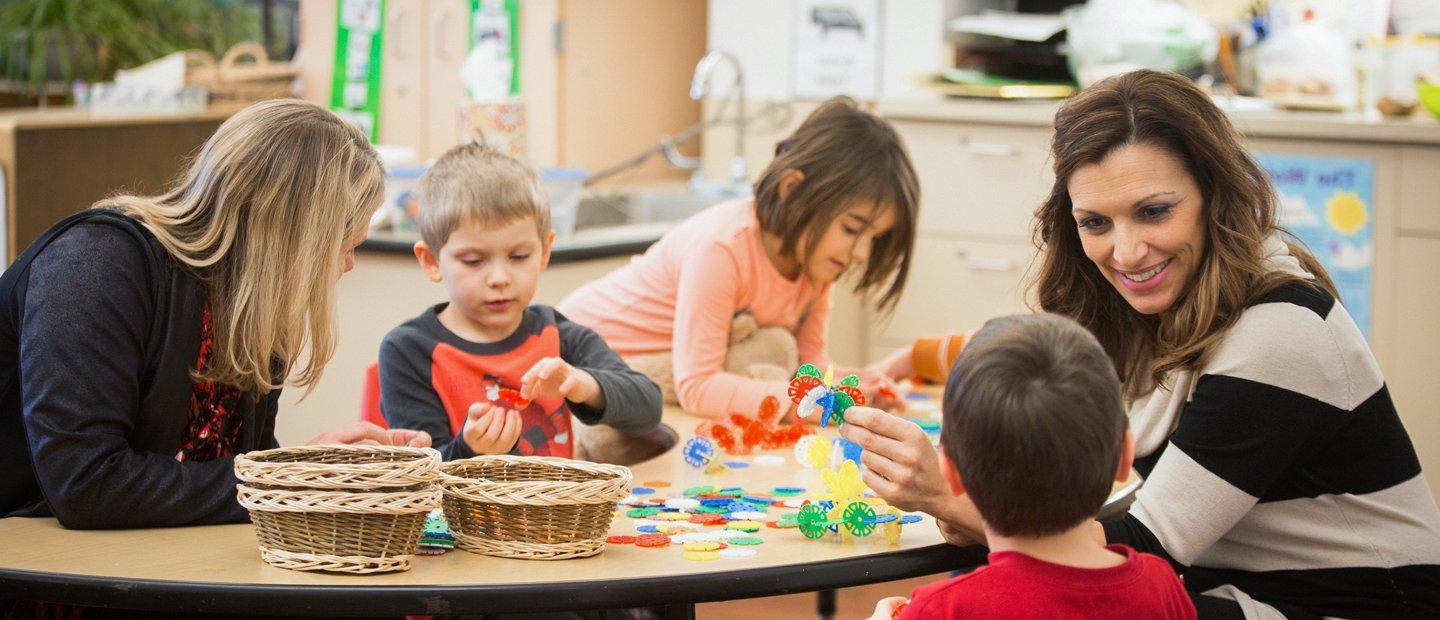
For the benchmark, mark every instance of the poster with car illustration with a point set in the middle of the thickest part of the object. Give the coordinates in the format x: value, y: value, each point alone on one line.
x: 837, y: 45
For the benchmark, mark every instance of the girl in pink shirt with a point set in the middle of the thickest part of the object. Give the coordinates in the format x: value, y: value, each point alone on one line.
x: 840, y: 194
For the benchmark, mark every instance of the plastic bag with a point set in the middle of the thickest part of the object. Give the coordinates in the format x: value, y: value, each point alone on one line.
x: 1307, y: 65
x: 1110, y: 37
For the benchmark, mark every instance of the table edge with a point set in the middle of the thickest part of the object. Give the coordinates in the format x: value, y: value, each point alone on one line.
x: 364, y: 599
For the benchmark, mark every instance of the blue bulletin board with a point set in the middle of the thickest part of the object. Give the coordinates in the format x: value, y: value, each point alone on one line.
x: 1328, y: 202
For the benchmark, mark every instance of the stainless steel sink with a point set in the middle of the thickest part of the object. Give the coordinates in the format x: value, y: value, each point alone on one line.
x: 645, y: 205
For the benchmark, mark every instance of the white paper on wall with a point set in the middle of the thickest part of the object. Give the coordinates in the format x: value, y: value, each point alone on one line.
x: 836, y: 48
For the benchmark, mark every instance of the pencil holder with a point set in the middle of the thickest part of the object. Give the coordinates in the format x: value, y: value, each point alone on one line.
x: 531, y: 507
x: 349, y: 509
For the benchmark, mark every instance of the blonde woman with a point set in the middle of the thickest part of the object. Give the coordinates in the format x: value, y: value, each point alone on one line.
x: 145, y: 341
x: 1278, y: 477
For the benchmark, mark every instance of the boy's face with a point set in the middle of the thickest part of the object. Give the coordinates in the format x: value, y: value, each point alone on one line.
x: 490, y: 274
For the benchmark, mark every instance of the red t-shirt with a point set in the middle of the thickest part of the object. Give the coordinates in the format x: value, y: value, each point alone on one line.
x: 1015, y: 585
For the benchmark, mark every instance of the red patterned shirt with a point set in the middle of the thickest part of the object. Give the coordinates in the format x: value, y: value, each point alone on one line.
x: 213, y: 428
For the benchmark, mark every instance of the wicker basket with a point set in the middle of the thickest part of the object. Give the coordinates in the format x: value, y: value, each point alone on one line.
x: 350, y: 509
x: 532, y: 507
x: 234, y: 80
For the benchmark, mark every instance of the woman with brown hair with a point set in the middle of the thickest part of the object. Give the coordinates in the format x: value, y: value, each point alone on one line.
x: 1278, y: 477
x: 144, y: 341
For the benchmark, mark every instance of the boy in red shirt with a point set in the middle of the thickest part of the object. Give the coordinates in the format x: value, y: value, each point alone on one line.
x: 1035, y: 433
x: 487, y: 372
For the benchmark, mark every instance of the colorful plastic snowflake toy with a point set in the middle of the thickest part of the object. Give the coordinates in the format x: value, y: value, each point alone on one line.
x: 814, y: 393
x: 847, y: 512
x: 700, y: 452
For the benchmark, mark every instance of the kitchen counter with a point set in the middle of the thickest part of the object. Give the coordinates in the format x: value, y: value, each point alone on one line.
x: 588, y: 244
x: 1267, y: 124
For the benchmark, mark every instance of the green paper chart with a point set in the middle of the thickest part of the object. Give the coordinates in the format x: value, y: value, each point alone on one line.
x: 355, y: 85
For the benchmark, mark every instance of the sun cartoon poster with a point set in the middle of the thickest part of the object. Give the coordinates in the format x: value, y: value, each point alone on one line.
x: 1329, y: 203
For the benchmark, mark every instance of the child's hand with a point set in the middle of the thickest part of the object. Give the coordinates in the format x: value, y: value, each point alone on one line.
x: 881, y: 392
x: 552, y: 377
x: 491, y: 429
x: 898, y: 365
x: 887, y: 607
x: 368, y: 434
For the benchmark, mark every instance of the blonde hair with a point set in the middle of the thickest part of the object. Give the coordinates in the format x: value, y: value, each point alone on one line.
x: 262, y: 217
x: 848, y: 157
x: 473, y: 182
x: 1167, y: 111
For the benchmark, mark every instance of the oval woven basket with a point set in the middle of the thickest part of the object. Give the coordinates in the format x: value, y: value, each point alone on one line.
x: 531, y: 507
x: 350, y: 509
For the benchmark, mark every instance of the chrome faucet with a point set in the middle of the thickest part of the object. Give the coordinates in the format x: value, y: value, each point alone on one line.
x: 700, y: 85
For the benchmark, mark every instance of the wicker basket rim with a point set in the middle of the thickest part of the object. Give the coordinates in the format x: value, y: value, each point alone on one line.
x: 615, y: 471
x: 281, y: 500
x: 261, y: 457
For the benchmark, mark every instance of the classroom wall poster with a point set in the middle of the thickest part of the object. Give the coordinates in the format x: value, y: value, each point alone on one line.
x: 1328, y: 203
x: 496, y: 23
x: 837, y: 48
x: 355, y: 85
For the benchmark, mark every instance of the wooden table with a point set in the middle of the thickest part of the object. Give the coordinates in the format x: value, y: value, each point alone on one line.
x: 218, y: 568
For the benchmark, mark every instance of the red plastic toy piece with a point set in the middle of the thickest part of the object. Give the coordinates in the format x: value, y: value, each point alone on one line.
x: 769, y: 410
x: 801, y: 385
x: 754, y: 435
x: 854, y: 393
x: 705, y: 429
x: 724, y: 437
x: 510, y: 397
x: 887, y: 393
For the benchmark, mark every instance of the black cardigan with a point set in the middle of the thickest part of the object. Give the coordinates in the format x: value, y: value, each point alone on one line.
x: 99, y: 330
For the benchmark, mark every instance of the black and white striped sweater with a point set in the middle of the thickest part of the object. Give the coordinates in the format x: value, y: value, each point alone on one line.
x: 1280, y: 468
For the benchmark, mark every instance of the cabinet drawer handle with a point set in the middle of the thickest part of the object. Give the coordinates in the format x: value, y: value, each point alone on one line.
x: 986, y: 263
x: 988, y: 149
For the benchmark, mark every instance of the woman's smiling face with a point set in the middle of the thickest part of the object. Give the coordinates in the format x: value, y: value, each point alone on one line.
x: 1139, y: 213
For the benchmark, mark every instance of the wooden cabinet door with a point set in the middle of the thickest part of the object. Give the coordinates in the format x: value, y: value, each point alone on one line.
x: 447, y: 41
x: 316, y: 56
x: 625, y: 69
x: 1416, y: 355
x: 957, y: 285
x: 402, y: 64
x: 1420, y: 190
x: 978, y: 179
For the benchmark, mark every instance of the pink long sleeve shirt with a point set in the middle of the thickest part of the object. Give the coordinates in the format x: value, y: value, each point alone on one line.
x: 682, y: 294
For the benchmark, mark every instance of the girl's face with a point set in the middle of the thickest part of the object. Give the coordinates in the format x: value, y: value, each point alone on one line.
x: 1139, y: 217
x: 847, y: 241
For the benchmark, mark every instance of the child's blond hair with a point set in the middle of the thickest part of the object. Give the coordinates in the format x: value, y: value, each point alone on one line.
x: 472, y: 182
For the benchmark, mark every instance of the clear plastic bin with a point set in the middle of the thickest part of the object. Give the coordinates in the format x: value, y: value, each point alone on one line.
x: 563, y: 187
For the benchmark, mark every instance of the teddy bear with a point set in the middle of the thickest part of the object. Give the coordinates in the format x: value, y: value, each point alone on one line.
x: 763, y: 353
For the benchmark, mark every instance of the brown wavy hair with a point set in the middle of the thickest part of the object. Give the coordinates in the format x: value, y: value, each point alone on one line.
x: 848, y: 156
x: 1166, y: 111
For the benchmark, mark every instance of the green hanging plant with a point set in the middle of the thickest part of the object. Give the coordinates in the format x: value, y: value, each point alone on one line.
x: 64, y: 40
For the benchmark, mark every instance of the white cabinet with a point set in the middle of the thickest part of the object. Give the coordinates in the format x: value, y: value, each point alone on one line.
x: 958, y: 284
x: 979, y: 185
x: 1412, y: 379
x: 978, y: 180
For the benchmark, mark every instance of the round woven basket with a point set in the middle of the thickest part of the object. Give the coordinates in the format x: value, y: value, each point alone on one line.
x: 531, y: 507
x: 350, y: 509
